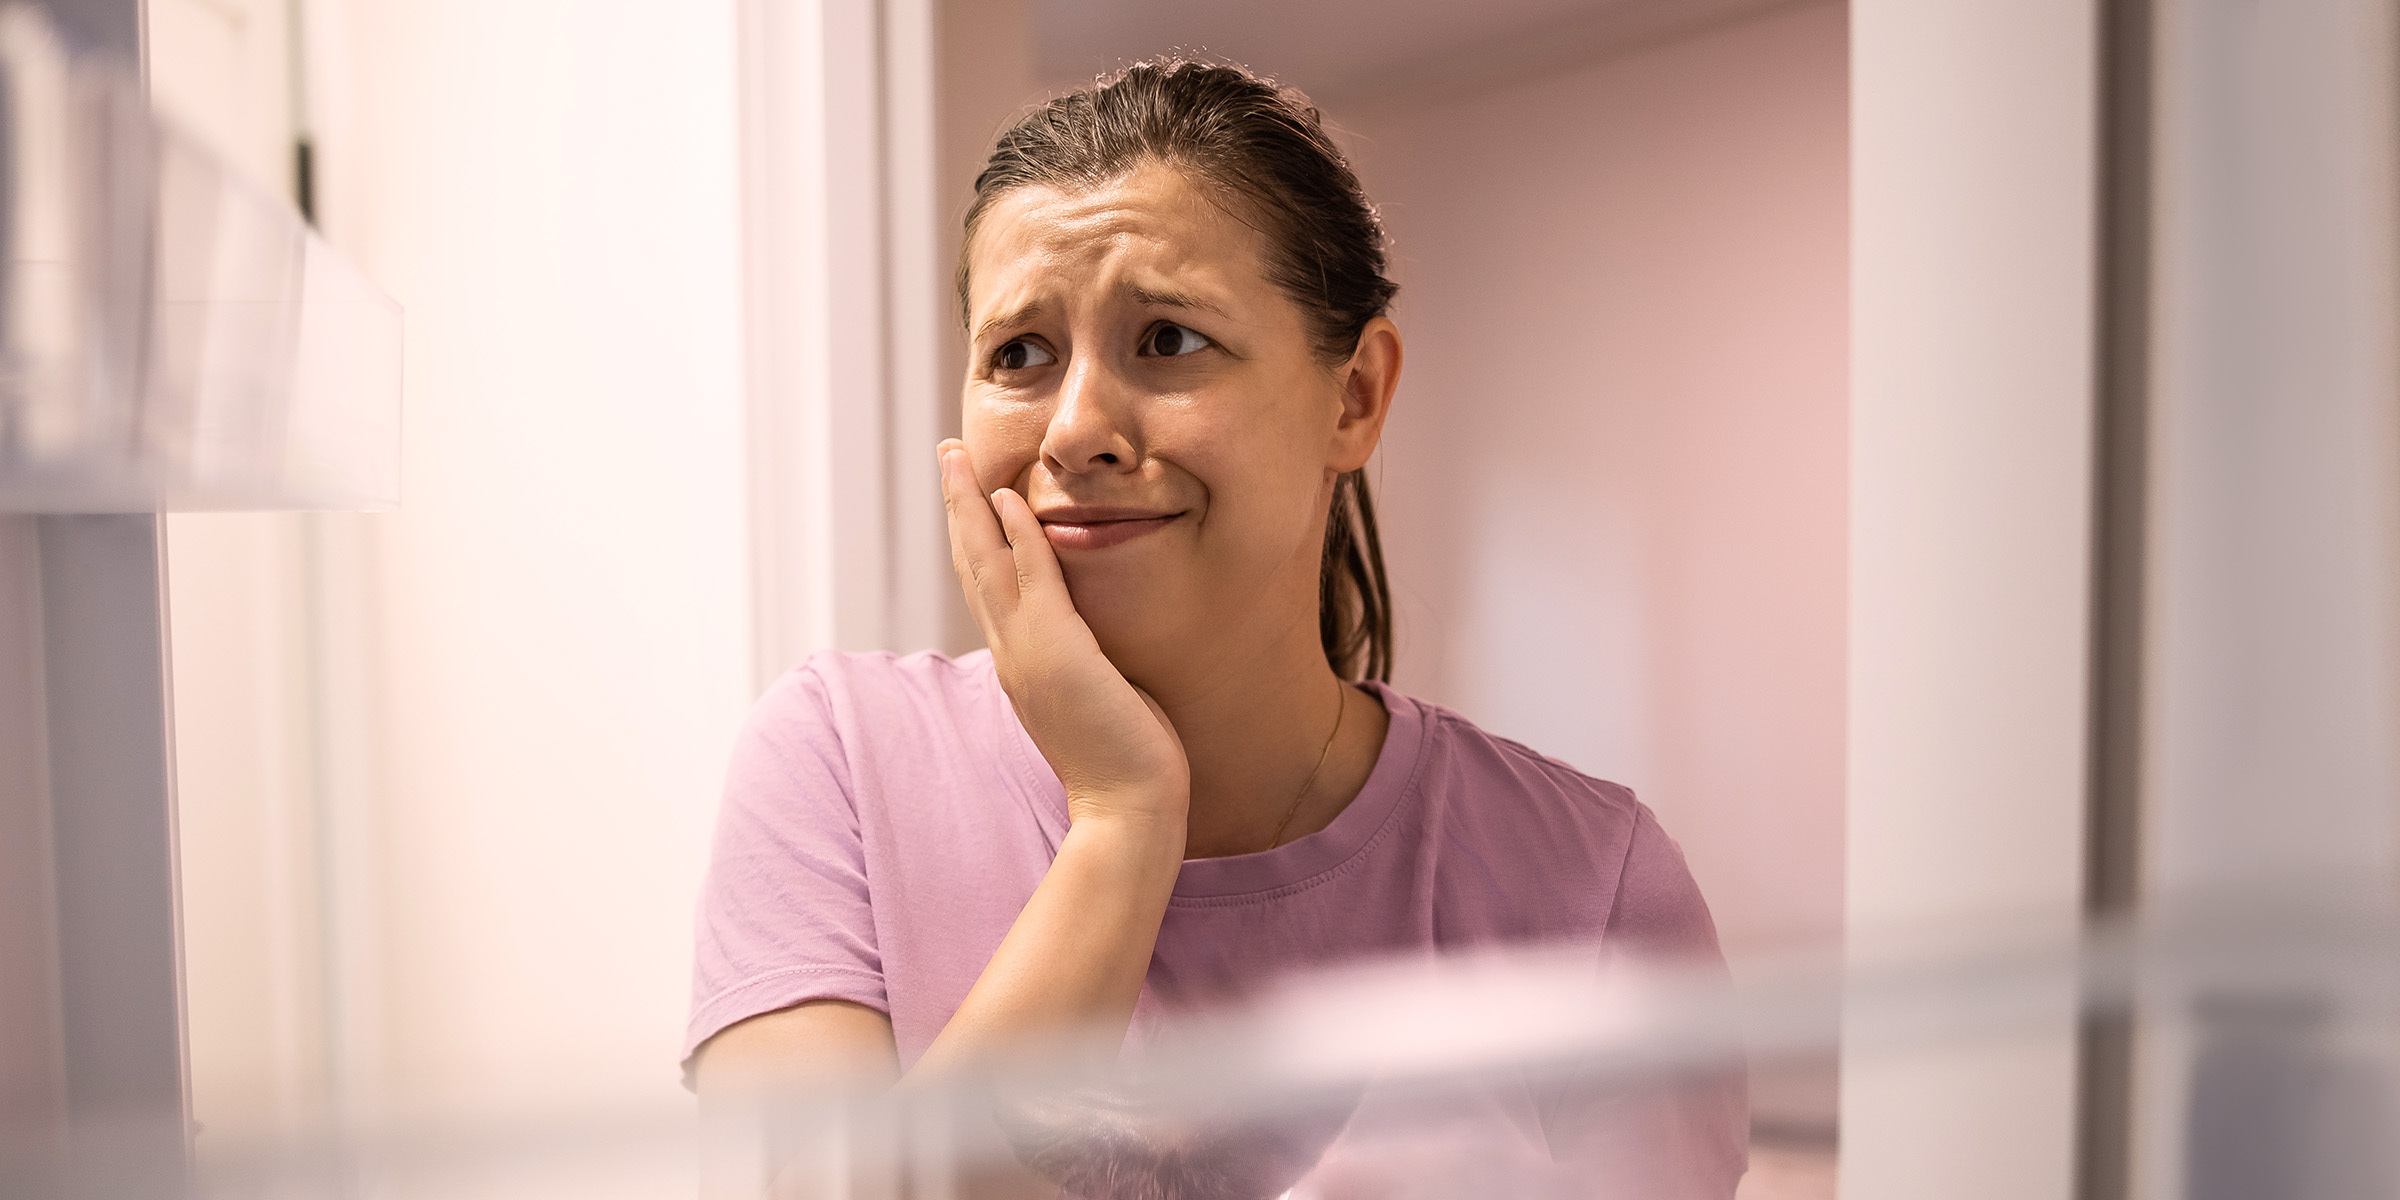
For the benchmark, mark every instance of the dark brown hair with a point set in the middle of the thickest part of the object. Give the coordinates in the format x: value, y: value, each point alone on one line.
x: 1265, y: 148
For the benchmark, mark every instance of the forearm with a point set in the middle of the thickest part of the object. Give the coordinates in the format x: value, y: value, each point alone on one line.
x: 1079, y: 950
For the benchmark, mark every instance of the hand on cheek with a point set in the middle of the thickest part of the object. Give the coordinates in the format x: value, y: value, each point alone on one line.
x: 1109, y: 742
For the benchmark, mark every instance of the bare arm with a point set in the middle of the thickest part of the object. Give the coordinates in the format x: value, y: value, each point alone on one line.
x: 822, y: 1040
x: 822, y: 1043
x: 1077, y: 954
x: 1074, y: 959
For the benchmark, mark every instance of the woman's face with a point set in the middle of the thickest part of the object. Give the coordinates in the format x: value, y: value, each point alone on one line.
x: 1134, y: 375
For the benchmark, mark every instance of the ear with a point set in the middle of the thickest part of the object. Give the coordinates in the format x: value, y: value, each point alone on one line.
x: 1367, y: 381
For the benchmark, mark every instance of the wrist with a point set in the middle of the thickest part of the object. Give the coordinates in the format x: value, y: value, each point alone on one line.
x: 1138, y: 835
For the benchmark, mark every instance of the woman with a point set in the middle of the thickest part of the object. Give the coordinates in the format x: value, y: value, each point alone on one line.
x: 1178, y: 772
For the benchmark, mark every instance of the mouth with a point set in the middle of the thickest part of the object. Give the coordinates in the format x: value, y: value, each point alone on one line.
x: 1093, y: 528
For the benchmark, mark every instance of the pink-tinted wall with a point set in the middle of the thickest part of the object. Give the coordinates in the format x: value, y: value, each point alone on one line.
x: 1614, y: 484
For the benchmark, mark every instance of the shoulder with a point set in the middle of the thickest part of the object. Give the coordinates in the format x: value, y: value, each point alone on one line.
x: 842, y: 692
x: 1582, y: 835
x: 837, y: 680
x: 840, y: 707
x: 1501, y: 774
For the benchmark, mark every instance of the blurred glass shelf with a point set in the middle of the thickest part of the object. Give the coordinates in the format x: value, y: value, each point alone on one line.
x: 2271, y: 1021
x: 172, y: 338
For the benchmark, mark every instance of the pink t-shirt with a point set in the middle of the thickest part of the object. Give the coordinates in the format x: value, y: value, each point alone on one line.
x: 885, y: 819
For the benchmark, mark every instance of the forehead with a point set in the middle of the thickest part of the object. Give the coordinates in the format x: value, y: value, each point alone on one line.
x: 1152, y: 229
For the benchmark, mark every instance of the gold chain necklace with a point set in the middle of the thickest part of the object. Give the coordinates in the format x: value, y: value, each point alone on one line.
x: 1338, y: 713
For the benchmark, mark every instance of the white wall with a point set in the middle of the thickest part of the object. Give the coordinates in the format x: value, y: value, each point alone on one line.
x: 449, y: 772
x: 1613, y: 483
x: 1971, y: 435
x: 549, y: 191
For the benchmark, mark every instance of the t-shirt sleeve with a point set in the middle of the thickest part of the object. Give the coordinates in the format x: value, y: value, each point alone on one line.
x: 1658, y: 911
x: 1680, y: 1138
x: 784, y: 913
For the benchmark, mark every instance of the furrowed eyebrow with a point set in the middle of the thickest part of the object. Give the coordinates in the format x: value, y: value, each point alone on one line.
x: 1176, y: 300
x: 1017, y: 316
x: 1166, y: 299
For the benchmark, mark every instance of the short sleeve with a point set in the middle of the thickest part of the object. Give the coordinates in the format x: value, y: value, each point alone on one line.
x: 1658, y: 911
x: 784, y: 914
x: 1685, y: 1138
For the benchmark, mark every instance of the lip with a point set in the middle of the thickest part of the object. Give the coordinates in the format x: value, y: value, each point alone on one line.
x: 1085, y: 527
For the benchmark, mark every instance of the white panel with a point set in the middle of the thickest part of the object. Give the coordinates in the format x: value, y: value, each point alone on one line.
x: 844, y: 324
x: 786, y: 285
x: 1972, y: 268
x: 925, y: 601
x: 846, y: 396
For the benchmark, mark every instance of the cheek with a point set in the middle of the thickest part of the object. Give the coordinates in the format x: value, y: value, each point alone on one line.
x: 1262, y: 504
x: 1262, y: 460
x: 1004, y: 444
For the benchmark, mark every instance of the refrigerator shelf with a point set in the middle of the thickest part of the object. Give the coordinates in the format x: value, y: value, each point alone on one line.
x: 172, y: 338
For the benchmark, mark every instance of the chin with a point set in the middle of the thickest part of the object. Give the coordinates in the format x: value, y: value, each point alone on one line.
x: 1138, y: 622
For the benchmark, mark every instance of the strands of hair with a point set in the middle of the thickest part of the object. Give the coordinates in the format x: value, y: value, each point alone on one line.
x: 1265, y: 147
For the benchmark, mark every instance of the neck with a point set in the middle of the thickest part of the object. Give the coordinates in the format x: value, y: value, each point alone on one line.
x: 1255, y: 720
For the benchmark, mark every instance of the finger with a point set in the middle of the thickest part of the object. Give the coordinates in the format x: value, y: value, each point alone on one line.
x: 1036, y: 561
x: 978, y: 549
x: 952, y: 501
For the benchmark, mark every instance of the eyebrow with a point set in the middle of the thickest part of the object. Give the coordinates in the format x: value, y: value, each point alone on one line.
x: 1017, y: 316
x: 1176, y: 300
x: 1166, y: 299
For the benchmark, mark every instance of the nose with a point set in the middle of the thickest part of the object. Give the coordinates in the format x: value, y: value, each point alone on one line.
x: 1093, y: 429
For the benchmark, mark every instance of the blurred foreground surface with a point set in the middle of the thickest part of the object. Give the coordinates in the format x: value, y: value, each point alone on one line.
x: 2267, y: 1027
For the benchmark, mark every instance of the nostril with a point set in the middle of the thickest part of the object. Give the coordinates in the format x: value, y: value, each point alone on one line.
x: 1110, y: 459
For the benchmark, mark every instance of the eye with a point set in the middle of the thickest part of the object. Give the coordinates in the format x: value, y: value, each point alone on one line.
x: 1169, y: 340
x: 1019, y: 353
